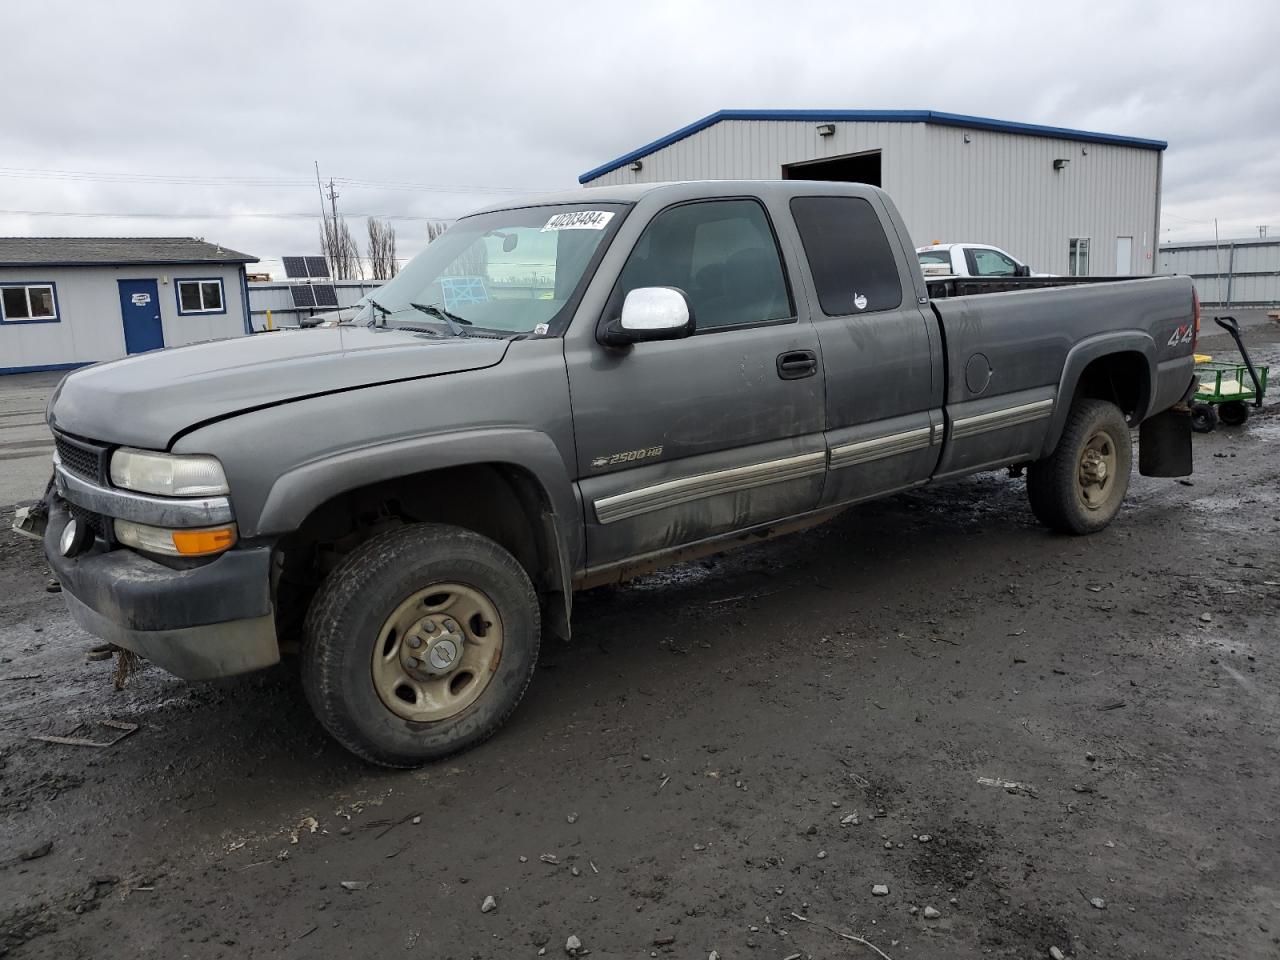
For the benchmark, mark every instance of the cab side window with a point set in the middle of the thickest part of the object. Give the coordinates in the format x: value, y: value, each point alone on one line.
x: 990, y: 263
x: 722, y: 254
x: 849, y: 255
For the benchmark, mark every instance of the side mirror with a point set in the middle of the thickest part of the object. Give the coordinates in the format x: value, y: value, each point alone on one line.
x: 651, y: 313
x: 1022, y: 271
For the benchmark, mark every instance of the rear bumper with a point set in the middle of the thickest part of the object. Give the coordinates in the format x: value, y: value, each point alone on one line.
x: 214, y: 620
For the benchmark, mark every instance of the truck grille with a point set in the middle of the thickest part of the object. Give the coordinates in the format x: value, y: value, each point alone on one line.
x: 82, y: 457
x: 96, y: 522
x: 89, y: 461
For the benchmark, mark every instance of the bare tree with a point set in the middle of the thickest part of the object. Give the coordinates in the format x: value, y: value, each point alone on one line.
x: 340, y: 248
x: 382, y: 250
x: 434, y: 229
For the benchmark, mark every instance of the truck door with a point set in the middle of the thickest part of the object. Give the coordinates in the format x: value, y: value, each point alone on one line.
x: 679, y: 441
x: 880, y: 351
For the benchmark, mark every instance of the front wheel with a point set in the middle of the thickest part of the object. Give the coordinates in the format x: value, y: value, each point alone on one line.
x: 1079, y: 487
x: 419, y: 644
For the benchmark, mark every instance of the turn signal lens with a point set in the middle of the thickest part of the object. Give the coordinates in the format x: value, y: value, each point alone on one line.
x: 199, y: 543
x: 176, y: 543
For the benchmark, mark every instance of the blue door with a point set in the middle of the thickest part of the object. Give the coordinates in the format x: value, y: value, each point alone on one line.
x: 140, y: 309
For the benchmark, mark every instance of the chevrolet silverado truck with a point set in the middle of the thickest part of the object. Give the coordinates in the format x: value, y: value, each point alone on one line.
x: 568, y: 392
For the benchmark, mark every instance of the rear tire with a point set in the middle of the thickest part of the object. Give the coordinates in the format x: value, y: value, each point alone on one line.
x: 420, y: 643
x: 1203, y: 417
x: 1079, y: 487
x: 1233, y: 413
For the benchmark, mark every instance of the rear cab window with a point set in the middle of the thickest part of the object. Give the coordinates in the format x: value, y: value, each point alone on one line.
x: 853, y: 266
x: 934, y: 258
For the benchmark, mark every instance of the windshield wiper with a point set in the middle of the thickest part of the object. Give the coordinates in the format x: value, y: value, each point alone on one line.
x: 377, y: 306
x: 452, y: 320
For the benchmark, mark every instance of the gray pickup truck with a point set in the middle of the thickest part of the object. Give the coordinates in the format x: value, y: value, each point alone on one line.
x: 563, y: 393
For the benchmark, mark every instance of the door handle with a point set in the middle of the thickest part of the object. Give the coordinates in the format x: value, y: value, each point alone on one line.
x: 797, y: 364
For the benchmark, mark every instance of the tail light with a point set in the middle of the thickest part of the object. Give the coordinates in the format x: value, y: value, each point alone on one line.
x: 1195, y: 319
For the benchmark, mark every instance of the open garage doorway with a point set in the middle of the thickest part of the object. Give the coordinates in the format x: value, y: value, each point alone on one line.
x: 851, y: 168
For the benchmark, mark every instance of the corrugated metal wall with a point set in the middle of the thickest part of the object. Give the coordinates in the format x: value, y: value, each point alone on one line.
x: 1243, y: 273
x: 998, y: 188
x: 90, y: 326
x: 277, y: 298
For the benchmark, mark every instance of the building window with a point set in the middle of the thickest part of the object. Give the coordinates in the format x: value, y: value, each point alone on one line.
x: 1078, y: 257
x: 28, y: 303
x: 200, y: 296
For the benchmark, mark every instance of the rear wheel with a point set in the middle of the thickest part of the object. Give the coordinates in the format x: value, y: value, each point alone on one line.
x: 420, y: 644
x: 1203, y: 417
x: 1233, y: 413
x: 1080, y: 486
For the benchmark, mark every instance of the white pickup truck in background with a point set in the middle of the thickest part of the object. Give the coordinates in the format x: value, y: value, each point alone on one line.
x: 971, y: 260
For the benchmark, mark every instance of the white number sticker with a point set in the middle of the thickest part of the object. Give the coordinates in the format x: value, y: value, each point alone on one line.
x: 580, y: 220
x: 1183, y: 334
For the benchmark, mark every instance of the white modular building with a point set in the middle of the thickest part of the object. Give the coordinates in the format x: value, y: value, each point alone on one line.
x: 70, y: 301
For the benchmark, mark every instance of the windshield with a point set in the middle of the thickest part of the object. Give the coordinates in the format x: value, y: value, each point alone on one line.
x: 511, y: 271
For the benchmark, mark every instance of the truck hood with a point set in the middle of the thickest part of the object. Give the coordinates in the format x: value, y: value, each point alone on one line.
x: 147, y: 400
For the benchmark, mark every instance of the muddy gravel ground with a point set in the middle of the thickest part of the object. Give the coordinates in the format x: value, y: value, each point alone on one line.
x: 932, y: 693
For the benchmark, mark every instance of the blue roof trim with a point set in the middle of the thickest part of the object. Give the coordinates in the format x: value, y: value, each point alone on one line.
x: 882, y: 116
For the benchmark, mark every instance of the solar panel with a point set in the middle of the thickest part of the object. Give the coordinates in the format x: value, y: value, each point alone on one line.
x: 302, y: 296
x: 326, y: 294
x: 317, y: 266
x: 295, y: 268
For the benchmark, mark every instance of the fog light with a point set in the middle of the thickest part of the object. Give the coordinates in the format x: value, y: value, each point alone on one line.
x: 176, y: 543
x: 75, y: 537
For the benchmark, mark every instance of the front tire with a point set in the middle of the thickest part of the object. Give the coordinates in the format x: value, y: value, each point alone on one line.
x: 1079, y: 487
x: 420, y: 643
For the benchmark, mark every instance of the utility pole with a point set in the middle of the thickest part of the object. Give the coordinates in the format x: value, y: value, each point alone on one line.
x: 333, y: 202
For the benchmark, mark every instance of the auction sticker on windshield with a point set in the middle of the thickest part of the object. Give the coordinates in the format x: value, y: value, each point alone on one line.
x: 580, y: 220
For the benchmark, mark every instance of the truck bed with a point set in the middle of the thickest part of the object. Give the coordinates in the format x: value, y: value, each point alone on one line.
x: 943, y: 288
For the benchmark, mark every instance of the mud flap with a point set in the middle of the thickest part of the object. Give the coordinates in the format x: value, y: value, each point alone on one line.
x: 1164, y: 444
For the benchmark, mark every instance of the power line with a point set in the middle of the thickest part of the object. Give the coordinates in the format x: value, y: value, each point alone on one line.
x: 262, y: 214
x: 92, y: 176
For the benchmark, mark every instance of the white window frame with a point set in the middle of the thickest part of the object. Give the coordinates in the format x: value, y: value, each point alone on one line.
x: 26, y: 288
x: 199, y: 282
x: 1073, y: 256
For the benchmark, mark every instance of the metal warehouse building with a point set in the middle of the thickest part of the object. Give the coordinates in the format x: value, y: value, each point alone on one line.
x: 1064, y: 201
x: 1230, y: 273
x: 69, y: 301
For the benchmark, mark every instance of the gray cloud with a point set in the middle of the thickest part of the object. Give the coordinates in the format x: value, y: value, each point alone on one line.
x: 531, y: 95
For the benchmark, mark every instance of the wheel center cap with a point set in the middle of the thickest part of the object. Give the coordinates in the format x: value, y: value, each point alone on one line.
x: 443, y: 654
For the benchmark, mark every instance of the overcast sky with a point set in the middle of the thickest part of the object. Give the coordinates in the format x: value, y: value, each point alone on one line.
x: 212, y: 115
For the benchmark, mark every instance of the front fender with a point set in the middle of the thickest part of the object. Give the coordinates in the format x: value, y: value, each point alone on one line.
x: 295, y: 494
x: 1084, y: 353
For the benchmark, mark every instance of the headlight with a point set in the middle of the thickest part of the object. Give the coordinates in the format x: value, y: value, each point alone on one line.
x: 176, y: 543
x: 167, y: 475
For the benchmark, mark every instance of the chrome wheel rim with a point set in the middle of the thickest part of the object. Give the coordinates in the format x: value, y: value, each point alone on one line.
x: 1096, y: 471
x: 437, y: 652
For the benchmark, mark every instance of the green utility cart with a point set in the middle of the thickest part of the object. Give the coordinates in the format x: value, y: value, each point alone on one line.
x: 1226, y: 389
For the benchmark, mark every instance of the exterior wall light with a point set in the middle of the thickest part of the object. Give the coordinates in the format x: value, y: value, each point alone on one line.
x: 1060, y: 164
x: 637, y: 166
x: 826, y: 129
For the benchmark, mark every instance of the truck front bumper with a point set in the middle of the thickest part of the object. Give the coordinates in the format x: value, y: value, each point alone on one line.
x: 213, y: 620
